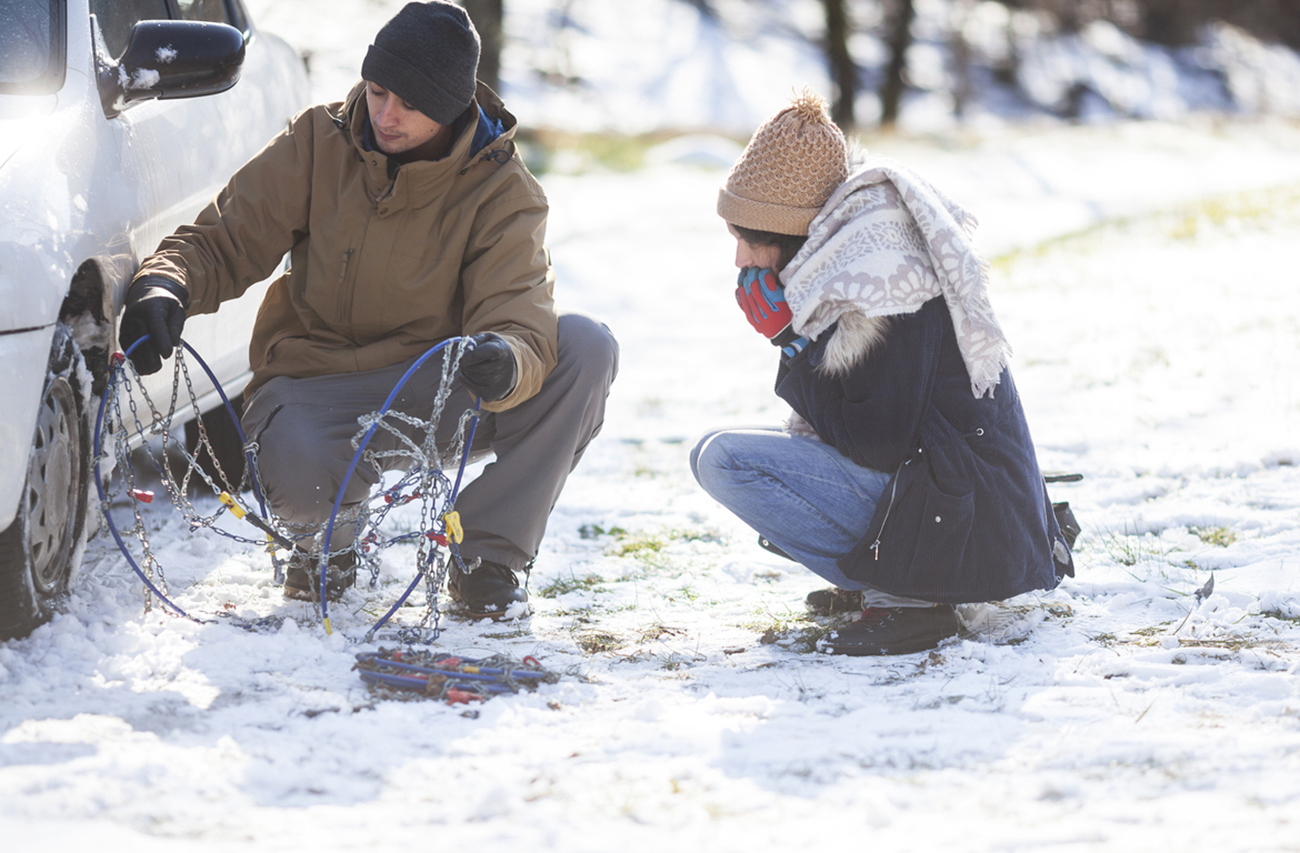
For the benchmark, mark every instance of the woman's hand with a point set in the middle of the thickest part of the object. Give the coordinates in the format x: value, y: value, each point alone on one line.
x: 760, y: 295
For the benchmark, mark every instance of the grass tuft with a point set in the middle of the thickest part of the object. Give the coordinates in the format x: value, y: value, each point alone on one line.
x: 651, y: 547
x: 1279, y: 615
x: 796, y: 634
x: 1253, y: 208
x: 562, y: 586
x: 640, y: 546
x: 1130, y: 548
x: 1221, y: 537
x: 595, y: 641
x: 594, y: 531
x: 579, y: 153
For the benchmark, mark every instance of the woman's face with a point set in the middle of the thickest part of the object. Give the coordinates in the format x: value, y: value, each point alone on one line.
x: 754, y: 255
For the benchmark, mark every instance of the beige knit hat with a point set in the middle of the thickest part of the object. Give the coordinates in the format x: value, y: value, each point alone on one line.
x: 788, y: 170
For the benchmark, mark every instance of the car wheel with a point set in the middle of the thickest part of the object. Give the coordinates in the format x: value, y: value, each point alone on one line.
x: 38, y: 550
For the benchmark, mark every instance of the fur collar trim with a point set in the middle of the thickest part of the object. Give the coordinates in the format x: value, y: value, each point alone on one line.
x: 856, y: 336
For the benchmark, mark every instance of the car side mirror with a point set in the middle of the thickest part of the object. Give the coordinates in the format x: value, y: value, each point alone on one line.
x: 171, y: 59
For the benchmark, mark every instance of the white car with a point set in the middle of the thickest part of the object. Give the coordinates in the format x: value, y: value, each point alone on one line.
x: 118, y: 122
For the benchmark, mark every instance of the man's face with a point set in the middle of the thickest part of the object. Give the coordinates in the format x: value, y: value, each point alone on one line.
x: 398, y: 126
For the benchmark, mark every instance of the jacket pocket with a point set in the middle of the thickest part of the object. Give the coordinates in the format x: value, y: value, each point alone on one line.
x: 945, y: 529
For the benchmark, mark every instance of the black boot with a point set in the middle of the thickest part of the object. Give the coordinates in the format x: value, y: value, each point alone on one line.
x: 893, y: 631
x: 488, y: 591
x: 302, y: 576
x: 832, y: 600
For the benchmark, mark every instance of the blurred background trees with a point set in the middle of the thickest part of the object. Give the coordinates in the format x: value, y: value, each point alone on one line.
x: 1175, y: 22
x: 1016, y: 59
x: 489, y: 19
x: 1171, y: 23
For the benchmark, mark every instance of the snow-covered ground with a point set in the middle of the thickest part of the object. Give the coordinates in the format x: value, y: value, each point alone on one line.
x: 1145, y: 275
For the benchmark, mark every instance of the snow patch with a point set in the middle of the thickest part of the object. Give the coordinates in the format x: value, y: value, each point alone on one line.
x: 144, y: 78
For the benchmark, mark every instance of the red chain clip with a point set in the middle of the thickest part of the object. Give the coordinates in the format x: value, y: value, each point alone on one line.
x: 461, y: 697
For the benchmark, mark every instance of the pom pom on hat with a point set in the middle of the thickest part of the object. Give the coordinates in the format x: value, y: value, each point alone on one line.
x: 791, y: 166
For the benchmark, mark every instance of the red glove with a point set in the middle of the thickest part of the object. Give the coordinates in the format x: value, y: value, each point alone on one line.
x: 761, y: 296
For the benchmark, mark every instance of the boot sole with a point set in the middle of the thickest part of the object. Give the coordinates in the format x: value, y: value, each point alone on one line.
x: 852, y: 646
x: 294, y: 594
x: 829, y: 647
x: 497, y: 615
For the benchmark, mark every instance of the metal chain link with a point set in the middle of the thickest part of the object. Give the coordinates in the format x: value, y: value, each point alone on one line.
x: 178, y: 471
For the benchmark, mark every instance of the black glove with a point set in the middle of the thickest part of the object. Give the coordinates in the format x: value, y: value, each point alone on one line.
x: 488, y: 370
x: 155, y: 306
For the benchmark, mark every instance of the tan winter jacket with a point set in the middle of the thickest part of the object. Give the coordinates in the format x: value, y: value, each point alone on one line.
x: 382, y: 265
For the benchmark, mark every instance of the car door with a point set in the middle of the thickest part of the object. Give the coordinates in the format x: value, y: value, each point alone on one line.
x: 179, y: 153
x: 94, y: 176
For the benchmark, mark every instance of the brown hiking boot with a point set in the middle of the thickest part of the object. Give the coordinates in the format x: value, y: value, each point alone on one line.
x: 488, y: 591
x: 302, y: 576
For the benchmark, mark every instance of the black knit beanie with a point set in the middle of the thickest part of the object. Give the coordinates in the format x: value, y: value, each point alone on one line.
x: 427, y: 55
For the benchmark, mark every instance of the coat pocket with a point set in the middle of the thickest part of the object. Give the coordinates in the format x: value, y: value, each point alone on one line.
x: 945, y: 529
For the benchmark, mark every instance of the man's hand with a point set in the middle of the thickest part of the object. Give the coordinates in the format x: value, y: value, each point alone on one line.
x: 155, y: 306
x: 760, y: 295
x: 488, y: 370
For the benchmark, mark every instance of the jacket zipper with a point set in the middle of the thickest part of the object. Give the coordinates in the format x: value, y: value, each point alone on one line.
x: 893, y: 492
x: 343, y: 300
x: 343, y: 271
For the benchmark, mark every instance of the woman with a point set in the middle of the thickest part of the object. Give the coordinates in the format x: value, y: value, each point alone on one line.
x: 907, y: 476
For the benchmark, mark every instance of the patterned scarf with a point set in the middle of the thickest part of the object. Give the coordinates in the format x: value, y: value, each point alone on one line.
x: 886, y: 242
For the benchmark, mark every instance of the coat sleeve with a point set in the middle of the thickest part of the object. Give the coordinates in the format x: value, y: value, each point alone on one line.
x: 242, y: 234
x: 508, y: 285
x: 873, y: 413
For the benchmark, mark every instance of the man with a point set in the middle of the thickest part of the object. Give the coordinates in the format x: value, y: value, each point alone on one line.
x: 408, y: 218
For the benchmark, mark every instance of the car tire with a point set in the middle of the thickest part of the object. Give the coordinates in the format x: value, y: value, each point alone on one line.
x: 226, y: 445
x: 39, y: 549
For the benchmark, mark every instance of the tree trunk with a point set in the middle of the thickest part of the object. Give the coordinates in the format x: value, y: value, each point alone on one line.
x: 963, y: 87
x: 488, y: 17
x: 843, y: 70
x: 900, y: 39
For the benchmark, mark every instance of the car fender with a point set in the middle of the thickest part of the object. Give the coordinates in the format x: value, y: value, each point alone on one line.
x: 21, y: 390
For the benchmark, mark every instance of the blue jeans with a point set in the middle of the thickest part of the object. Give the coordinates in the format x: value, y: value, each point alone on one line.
x: 800, y: 494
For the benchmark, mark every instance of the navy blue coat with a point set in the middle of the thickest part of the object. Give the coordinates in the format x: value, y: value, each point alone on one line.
x: 966, y: 516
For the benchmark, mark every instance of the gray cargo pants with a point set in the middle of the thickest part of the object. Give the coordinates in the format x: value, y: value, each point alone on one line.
x: 304, y: 429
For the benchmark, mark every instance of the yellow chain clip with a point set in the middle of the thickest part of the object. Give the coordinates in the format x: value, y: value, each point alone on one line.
x: 451, y: 524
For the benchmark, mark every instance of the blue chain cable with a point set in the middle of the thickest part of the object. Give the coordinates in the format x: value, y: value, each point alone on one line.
x: 117, y: 374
